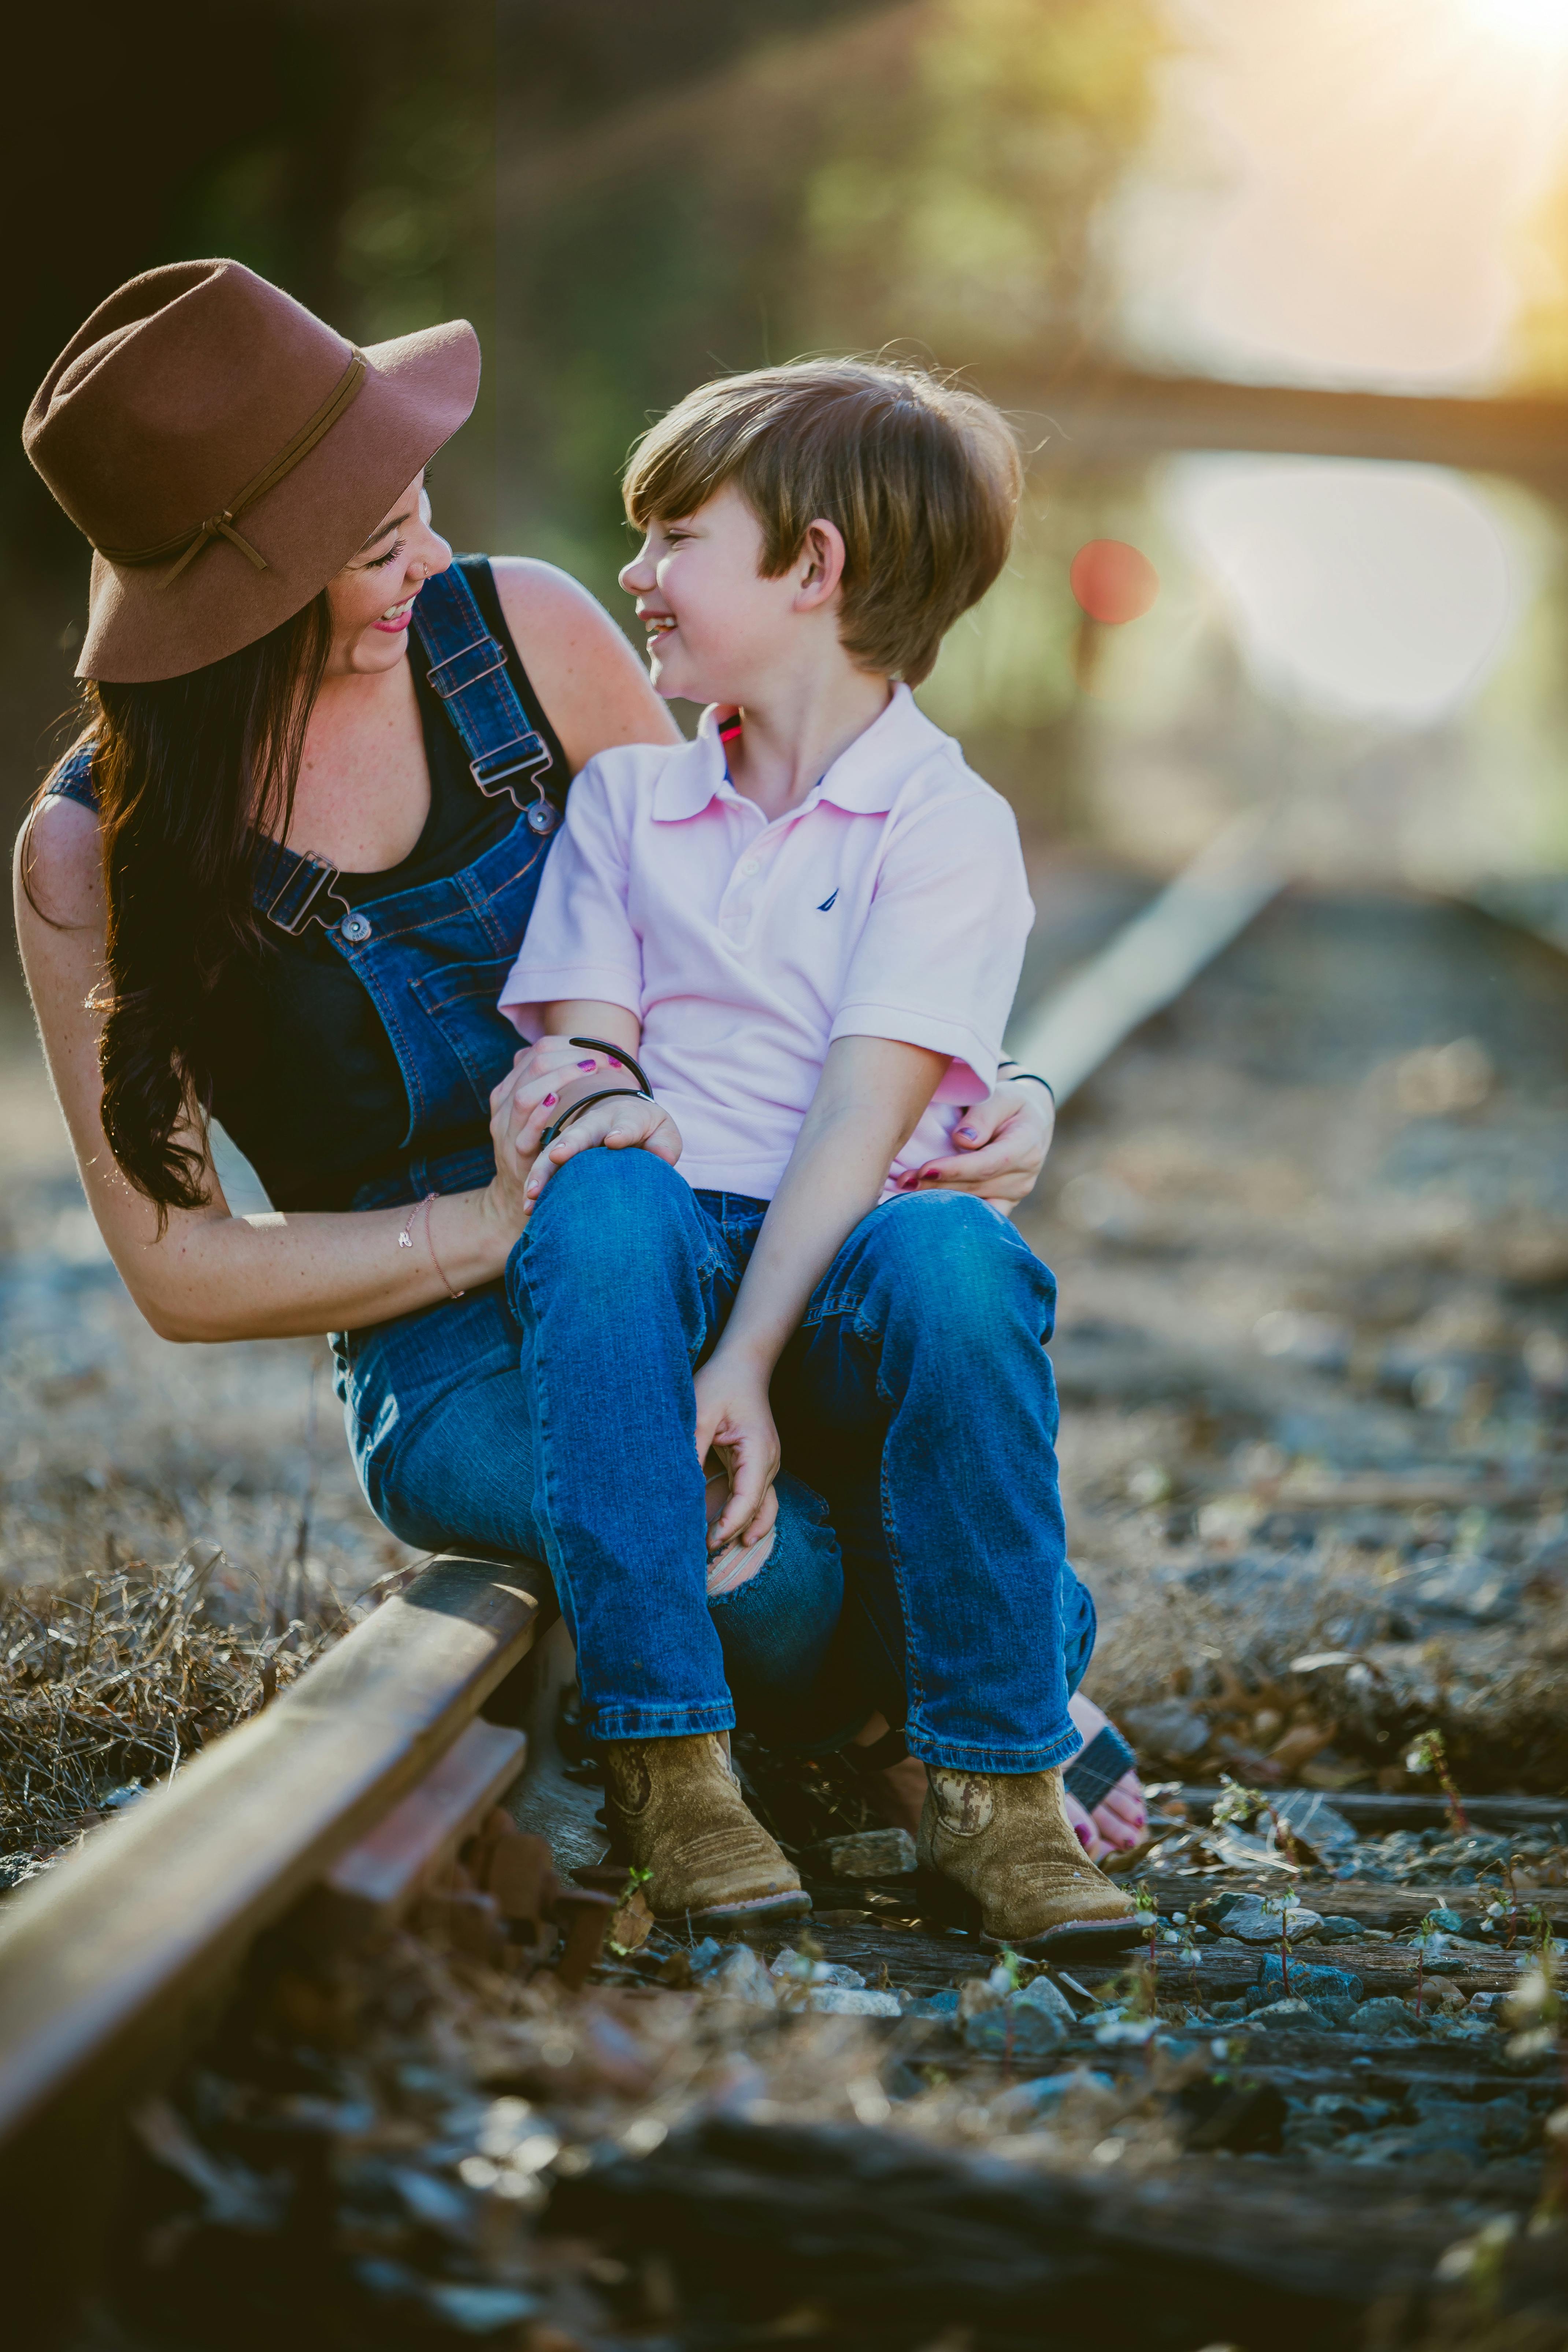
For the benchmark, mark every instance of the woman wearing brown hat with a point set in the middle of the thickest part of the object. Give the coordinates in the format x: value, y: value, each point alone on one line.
x: 278, y: 881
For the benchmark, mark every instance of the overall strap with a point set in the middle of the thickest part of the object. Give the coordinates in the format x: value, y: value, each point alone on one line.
x: 469, y: 671
x: 293, y: 888
x: 72, y: 780
x: 290, y: 887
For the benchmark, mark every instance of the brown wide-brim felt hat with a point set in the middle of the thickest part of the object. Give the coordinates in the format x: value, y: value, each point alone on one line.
x: 226, y: 452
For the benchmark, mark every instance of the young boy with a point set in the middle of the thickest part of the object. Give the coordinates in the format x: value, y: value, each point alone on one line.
x: 809, y: 924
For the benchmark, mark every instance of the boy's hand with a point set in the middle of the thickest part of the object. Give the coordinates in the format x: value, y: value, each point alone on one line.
x: 735, y: 1421
x: 1002, y: 1148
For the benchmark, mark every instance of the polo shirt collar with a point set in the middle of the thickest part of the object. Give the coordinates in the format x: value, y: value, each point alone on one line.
x: 692, y: 776
x: 866, y: 779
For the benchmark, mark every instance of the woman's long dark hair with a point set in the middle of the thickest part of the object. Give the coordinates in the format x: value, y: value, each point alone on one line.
x: 193, y: 776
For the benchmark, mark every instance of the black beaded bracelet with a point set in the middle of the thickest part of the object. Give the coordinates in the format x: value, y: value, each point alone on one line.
x: 641, y: 1091
x: 1017, y: 1074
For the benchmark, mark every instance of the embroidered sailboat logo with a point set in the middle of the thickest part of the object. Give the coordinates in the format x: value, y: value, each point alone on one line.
x: 827, y: 902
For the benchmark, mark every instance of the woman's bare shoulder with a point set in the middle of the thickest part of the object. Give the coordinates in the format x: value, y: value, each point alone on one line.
x: 58, y: 866
x: 542, y: 591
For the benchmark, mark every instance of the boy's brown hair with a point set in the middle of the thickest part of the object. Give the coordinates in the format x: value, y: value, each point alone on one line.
x: 922, y: 480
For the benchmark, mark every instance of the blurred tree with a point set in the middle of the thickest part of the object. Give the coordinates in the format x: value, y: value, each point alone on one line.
x: 960, y: 209
x: 930, y: 175
x: 621, y: 204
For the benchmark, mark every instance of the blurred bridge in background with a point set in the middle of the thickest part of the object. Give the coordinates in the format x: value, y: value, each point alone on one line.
x: 1107, y: 415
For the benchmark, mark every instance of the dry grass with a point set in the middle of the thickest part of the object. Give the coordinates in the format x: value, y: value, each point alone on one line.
x: 114, y: 1681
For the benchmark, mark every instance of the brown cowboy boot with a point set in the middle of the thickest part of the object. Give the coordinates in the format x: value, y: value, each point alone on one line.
x: 676, y: 1808
x: 1007, y: 1857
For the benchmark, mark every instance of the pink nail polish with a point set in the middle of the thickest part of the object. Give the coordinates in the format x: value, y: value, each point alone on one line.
x: 1083, y: 1834
x: 587, y: 1065
x: 549, y: 1102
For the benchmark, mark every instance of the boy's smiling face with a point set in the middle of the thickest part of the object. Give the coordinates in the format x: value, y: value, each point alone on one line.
x: 716, y: 631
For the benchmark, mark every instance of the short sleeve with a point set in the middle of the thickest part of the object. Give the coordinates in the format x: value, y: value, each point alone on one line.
x: 580, y: 941
x: 937, y: 962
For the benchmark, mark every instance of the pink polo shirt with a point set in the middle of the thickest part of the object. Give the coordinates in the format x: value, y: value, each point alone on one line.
x: 891, y: 903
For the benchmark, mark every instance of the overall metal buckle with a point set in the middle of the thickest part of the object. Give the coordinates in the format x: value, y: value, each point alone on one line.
x: 542, y: 815
x: 308, y: 909
x: 447, y: 692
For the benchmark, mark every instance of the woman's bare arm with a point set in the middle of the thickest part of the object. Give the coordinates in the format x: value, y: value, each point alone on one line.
x: 210, y: 1275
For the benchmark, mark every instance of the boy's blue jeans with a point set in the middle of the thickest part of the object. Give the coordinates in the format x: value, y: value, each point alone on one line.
x: 555, y: 1416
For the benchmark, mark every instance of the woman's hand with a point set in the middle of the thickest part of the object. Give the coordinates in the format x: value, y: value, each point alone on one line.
x: 1002, y: 1147
x: 525, y: 1103
x: 734, y: 1421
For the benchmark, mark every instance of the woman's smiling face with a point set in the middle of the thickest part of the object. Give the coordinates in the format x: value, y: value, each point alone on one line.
x: 371, y: 598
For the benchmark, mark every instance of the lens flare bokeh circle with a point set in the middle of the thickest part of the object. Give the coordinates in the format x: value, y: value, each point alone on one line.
x: 1113, y: 582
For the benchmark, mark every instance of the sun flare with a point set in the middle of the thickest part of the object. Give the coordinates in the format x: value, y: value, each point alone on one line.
x: 1539, y: 27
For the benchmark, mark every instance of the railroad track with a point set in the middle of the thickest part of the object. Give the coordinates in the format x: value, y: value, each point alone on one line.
x: 354, y: 1784
x: 346, y: 1794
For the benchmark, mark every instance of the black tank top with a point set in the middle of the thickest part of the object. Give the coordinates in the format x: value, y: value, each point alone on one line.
x: 293, y: 1040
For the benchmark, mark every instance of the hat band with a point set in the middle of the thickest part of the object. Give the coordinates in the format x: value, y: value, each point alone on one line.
x: 186, y: 545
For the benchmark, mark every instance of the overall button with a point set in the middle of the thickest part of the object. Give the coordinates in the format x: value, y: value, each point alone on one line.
x: 355, y: 926
x: 748, y: 866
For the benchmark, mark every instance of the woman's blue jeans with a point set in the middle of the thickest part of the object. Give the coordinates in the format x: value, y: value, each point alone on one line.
x: 553, y: 1415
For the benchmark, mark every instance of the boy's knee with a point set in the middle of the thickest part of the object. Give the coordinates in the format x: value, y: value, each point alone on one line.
x: 618, y: 1219
x: 631, y: 1184
x: 950, y: 1256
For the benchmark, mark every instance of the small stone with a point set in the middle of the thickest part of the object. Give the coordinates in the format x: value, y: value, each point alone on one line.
x: 1116, y: 2032
x: 1383, y: 2016
x: 941, y: 2003
x: 1043, y: 1995
x: 1437, y: 1994
x: 1254, y: 1924
x: 873, y: 1854
x: 1288, y: 2017
x: 797, y: 1968
x: 1307, y: 1983
x: 1333, y: 1928
x: 852, y: 2001
x: 1016, y: 2027
x: 741, y: 1976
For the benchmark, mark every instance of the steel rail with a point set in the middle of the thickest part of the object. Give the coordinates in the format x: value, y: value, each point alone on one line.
x: 1153, y: 957
x: 114, y: 1961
